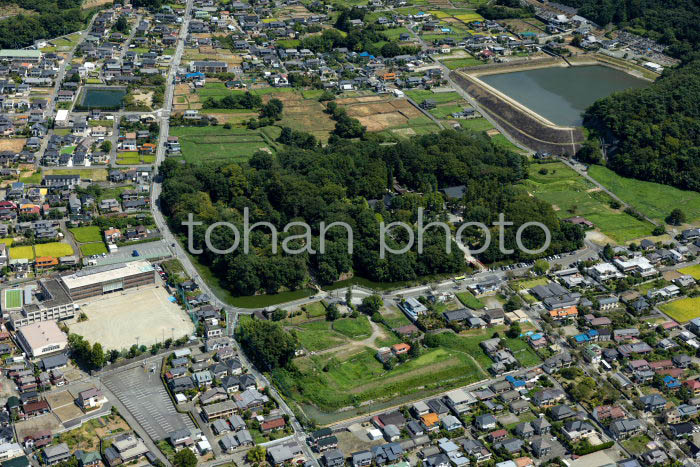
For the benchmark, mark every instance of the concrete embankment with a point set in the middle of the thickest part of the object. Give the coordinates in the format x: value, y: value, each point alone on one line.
x: 524, y: 125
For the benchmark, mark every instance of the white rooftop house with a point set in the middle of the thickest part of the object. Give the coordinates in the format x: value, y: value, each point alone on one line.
x: 639, y: 265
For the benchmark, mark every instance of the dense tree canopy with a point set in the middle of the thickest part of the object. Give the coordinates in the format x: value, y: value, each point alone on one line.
x: 54, y: 18
x: 656, y: 130
x: 333, y: 183
x: 266, y: 343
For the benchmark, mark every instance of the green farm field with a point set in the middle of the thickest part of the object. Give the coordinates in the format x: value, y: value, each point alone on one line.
x: 89, y: 249
x: 355, y: 377
x: 22, y: 252
x: 54, y: 249
x: 572, y: 195
x: 682, y: 310
x: 87, y: 234
x: 200, y: 144
x: 692, y: 270
x: 652, y: 199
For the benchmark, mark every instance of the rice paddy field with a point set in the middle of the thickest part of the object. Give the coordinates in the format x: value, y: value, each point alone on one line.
x: 87, y: 234
x: 22, y: 252
x: 692, y: 270
x: 54, y: 249
x: 572, y: 195
x: 202, y: 144
x: 682, y: 310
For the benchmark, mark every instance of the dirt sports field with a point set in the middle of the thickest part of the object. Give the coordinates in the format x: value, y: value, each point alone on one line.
x: 12, y: 144
x: 117, y: 320
x: 377, y: 113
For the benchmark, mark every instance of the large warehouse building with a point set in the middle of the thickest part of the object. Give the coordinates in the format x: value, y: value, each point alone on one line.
x: 92, y: 282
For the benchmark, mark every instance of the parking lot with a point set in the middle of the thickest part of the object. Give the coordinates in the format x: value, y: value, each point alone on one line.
x: 143, y: 394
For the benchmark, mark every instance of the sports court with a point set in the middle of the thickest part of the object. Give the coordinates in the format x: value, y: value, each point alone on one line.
x: 140, y: 316
x: 12, y: 299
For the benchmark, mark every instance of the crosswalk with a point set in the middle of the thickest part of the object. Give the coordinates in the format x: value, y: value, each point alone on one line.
x: 148, y: 402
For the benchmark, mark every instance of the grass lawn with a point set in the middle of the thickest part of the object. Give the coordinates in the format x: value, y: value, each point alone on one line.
x: 359, y: 377
x: 55, y: 249
x: 354, y: 328
x: 637, y: 444
x: 682, y: 310
x: 33, y: 179
x: 522, y: 352
x: 692, y: 270
x: 470, y: 300
x: 468, y: 343
x: 502, y: 141
x: 67, y: 149
x: 476, y: 124
x: 87, y: 234
x: 528, y: 284
x: 572, y: 195
x: 22, y: 252
x: 455, y: 63
x: 652, y: 199
x: 89, y: 249
x: 7, y: 241
x: 394, y: 318
x: 420, y: 95
x: 445, y: 111
x: 13, y: 299
x: 318, y: 335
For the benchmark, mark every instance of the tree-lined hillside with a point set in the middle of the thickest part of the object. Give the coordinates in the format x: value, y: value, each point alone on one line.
x: 656, y: 129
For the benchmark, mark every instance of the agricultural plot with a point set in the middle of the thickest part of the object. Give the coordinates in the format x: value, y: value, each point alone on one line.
x: 682, y: 310
x: 652, y: 199
x: 200, y: 144
x: 379, y: 114
x: 22, y: 252
x: 96, y: 175
x: 455, y: 63
x: 692, y: 270
x: 89, y: 249
x: 571, y: 195
x: 303, y: 112
x: 87, y: 234
x: 54, y: 249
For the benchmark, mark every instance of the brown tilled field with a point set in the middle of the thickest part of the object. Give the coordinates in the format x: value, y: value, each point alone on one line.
x: 378, y: 114
x: 12, y: 144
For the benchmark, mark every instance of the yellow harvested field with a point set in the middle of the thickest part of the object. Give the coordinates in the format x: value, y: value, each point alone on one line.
x: 469, y: 17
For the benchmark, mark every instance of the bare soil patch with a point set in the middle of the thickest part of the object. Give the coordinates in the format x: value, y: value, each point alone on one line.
x: 12, y: 144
